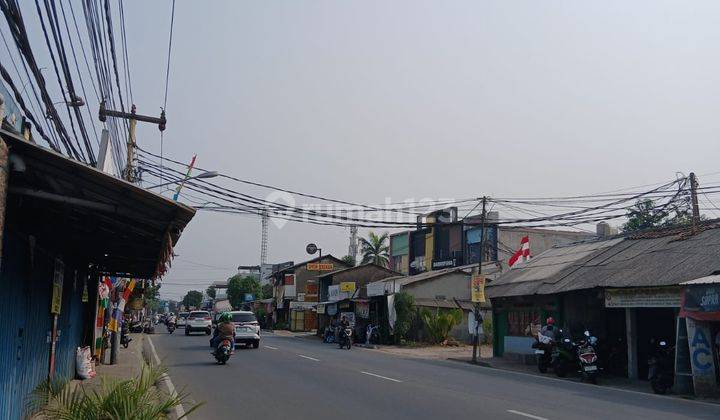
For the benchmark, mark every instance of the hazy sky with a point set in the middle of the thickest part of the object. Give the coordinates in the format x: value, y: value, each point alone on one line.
x: 363, y: 100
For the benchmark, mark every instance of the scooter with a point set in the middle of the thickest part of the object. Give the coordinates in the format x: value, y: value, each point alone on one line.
x: 136, y: 327
x: 125, y: 338
x: 543, y: 351
x: 661, y: 367
x: 587, y: 358
x: 223, y: 351
x: 170, y: 327
x: 563, y: 355
x: 345, y: 338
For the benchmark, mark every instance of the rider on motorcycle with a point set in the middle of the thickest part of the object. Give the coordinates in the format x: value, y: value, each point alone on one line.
x: 549, y: 330
x: 171, y: 319
x: 225, y: 329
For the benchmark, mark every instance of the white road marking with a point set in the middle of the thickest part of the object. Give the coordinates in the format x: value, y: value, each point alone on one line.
x: 380, y: 376
x: 309, y: 358
x: 520, y: 413
x: 270, y: 347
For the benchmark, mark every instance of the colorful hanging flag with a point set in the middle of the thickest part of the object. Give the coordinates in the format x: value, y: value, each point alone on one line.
x: 104, y: 294
x: 116, y: 320
x: 522, y: 254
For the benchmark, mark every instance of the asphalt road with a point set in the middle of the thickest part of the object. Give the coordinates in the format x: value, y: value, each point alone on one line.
x: 298, y: 378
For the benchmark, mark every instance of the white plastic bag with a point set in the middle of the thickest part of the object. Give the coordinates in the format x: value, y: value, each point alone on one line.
x: 83, y: 363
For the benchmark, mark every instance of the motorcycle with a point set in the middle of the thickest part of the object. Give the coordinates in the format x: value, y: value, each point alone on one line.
x: 661, y: 369
x: 149, y: 327
x: 345, y: 338
x: 125, y: 338
x: 223, y: 351
x: 563, y: 355
x: 587, y: 358
x: 170, y: 327
x: 136, y: 327
x: 372, y: 335
x: 543, y: 351
x: 329, y: 336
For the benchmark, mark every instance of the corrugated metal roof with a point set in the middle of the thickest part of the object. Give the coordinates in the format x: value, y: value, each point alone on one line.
x: 714, y: 279
x: 619, y: 262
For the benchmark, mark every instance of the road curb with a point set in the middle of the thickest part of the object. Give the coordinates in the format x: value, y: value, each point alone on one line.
x: 164, y: 383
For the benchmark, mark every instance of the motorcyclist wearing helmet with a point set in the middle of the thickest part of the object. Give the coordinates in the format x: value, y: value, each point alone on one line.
x: 225, y: 329
x: 550, y: 330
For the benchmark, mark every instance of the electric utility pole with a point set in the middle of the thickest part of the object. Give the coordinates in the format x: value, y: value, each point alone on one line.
x: 476, y: 309
x: 353, y: 247
x: 693, y: 196
x: 129, y: 172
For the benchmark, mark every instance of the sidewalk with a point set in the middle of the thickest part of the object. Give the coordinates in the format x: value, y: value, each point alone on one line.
x: 434, y: 352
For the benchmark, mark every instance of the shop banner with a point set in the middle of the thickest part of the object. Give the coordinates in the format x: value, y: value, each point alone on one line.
x: 57, y: 286
x: 701, y: 358
x: 477, y: 289
x: 643, y: 297
x: 701, y: 302
x: 362, y: 309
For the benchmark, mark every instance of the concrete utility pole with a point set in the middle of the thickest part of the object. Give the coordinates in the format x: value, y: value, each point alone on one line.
x: 353, y: 247
x: 693, y: 196
x: 476, y: 309
x: 129, y: 173
x: 264, y: 239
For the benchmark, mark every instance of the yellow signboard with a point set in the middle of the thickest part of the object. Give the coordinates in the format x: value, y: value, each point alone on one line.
x: 320, y: 266
x: 347, y: 286
x: 477, y: 289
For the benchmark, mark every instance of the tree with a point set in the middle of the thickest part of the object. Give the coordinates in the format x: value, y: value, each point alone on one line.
x: 645, y: 214
x: 375, y: 250
x: 151, y: 296
x: 211, y: 292
x: 404, y: 311
x: 267, y: 291
x: 193, y: 299
x: 239, y: 286
x: 349, y: 260
x: 439, y: 323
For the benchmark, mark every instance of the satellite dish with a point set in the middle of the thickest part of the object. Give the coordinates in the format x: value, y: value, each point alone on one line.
x: 311, y: 248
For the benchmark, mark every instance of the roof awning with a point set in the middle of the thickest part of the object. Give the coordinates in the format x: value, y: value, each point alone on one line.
x: 117, y: 226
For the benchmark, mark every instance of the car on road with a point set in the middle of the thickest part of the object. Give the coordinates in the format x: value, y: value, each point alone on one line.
x: 198, y: 321
x: 247, y: 328
x: 181, y: 320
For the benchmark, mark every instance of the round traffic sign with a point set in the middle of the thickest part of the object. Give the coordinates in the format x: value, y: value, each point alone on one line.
x: 311, y: 248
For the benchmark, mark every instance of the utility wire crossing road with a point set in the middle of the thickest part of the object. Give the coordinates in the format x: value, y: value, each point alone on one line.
x: 306, y: 379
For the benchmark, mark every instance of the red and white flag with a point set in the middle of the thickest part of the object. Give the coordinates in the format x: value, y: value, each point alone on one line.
x: 522, y: 254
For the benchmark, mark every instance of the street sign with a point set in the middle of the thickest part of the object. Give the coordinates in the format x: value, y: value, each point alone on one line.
x: 347, y: 286
x: 311, y: 248
x: 477, y: 289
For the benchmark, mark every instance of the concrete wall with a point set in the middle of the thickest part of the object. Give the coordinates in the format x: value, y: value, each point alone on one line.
x: 453, y: 285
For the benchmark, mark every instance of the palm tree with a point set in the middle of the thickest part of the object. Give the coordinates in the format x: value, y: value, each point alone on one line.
x: 375, y: 249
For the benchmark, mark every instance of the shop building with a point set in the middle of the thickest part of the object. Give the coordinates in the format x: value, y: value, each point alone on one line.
x: 625, y: 290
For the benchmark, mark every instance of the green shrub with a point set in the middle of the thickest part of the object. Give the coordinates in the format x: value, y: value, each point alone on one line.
x: 136, y: 399
x: 405, y: 311
x: 488, y: 331
x: 439, y: 323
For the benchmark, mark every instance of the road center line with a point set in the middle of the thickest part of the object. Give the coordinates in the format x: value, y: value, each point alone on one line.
x: 380, y: 376
x: 520, y: 413
x: 270, y: 347
x: 309, y: 358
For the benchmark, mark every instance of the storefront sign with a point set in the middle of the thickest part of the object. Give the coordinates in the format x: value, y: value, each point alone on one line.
x: 701, y: 357
x: 301, y: 297
x: 477, y: 289
x: 57, y: 286
x: 702, y: 302
x: 301, y: 306
x: 334, y: 293
x: 321, y: 308
x: 331, y: 309
x: 439, y: 264
x: 320, y: 266
x: 362, y: 309
x: 643, y: 297
x: 347, y: 286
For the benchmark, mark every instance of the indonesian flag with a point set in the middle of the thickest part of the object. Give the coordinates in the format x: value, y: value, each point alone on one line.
x: 522, y: 254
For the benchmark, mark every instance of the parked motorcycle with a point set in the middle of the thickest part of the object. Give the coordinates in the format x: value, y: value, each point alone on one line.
x: 136, y: 327
x: 148, y: 327
x: 329, y: 336
x: 345, y: 338
x: 661, y: 367
x: 223, y: 351
x: 543, y: 351
x: 170, y: 327
x: 563, y: 355
x: 587, y: 358
x: 125, y: 338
